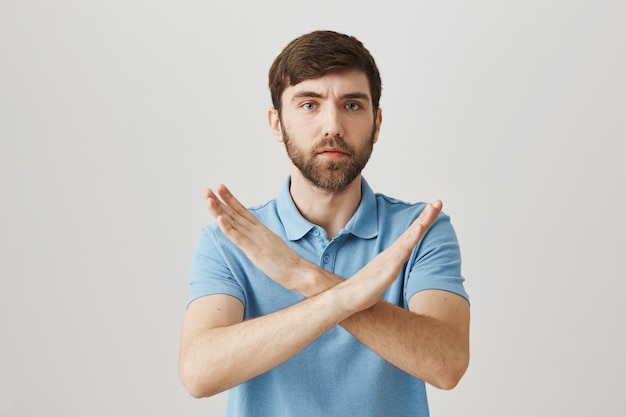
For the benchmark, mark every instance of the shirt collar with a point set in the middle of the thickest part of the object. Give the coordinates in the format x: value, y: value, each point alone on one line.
x: 363, y: 224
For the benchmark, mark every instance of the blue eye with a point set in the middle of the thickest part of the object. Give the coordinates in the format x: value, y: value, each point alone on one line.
x: 308, y: 106
x: 353, y: 106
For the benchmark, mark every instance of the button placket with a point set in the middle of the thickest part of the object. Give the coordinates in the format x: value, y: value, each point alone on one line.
x: 327, y: 258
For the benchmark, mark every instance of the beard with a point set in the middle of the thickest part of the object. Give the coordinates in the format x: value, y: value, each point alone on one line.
x: 330, y: 175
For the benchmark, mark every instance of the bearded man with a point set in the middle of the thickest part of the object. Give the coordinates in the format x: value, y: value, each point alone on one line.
x: 329, y: 300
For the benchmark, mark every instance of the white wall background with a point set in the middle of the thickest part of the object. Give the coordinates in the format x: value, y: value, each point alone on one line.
x: 116, y: 115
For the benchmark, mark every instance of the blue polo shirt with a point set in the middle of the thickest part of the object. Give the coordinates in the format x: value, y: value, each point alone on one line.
x: 335, y: 375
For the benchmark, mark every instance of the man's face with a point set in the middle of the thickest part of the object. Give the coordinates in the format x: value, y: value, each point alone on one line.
x: 329, y: 129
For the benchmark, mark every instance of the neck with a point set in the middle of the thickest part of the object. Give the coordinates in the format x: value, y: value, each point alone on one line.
x: 329, y: 210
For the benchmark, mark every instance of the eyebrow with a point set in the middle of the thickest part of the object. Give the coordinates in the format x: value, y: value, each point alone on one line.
x: 362, y: 96
x: 305, y: 94
x: 312, y: 94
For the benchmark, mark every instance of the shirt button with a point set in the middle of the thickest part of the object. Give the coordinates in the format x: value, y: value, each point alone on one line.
x: 316, y: 232
x: 326, y: 259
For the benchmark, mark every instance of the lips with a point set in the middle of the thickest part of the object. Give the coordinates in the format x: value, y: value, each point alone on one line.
x: 333, y: 152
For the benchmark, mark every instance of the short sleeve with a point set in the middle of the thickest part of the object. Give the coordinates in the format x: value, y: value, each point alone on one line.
x: 210, y: 273
x: 436, y: 262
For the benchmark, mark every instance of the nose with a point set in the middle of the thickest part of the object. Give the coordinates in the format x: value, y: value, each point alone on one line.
x: 332, y: 123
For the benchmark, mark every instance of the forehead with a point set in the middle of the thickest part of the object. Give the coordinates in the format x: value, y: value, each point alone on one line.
x: 339, y: 84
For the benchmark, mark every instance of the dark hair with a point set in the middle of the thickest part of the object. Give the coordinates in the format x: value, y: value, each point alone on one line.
x: 319, y: 53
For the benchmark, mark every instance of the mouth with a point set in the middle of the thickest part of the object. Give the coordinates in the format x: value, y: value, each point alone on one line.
x: 333, y: 153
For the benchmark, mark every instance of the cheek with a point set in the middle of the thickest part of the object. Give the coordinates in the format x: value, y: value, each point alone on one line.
x: 363, y: 130
x: 303, y: 133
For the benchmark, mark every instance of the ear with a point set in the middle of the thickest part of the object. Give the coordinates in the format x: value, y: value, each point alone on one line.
x: 275, y: 125
x: 377, y: 123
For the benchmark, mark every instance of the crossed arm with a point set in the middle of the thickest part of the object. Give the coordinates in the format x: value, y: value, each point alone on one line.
x: 219, y: 350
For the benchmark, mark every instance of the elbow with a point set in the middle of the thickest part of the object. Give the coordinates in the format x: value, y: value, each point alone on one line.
x: 197, y: 384
x: 451, y: 372
x: 449, y: 379
x: 196, y: 390
x: 193, y: 384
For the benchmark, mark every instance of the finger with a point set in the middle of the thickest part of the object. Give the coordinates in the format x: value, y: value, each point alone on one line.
x: 218, y: 202
x: 231, y: 215
x: 210, y: 198
x: 230, y: 199
x: 219, y: 209
x: 420, y: 225
x: 214, y: 204
x: 430, y: 213
x: 210, y: 195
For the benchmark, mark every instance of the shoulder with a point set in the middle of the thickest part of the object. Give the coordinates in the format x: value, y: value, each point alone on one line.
x: 383, y: 200
x: 390, y: 206
x: 268, y: 213
x: 264, y: 209
x: 395, y: 216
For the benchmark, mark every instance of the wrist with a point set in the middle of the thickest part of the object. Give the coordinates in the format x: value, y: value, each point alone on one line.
x: 315, y: 280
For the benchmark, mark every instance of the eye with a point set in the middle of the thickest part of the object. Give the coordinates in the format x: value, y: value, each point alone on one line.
x: 308, y: 106
x: 353, y: 106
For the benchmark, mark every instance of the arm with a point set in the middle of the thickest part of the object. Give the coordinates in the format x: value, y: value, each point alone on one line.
x: 430, y: 341
x: 219, y: 350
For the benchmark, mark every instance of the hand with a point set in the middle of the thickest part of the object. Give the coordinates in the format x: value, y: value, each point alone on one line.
x: 367, y: 286
x: 262, y: 246
x: 272, y: 255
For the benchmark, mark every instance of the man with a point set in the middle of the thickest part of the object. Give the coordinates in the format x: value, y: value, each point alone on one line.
x: 329, y: 300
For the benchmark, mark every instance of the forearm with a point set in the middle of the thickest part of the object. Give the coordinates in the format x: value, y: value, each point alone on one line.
x: 220, y: 358
x: 422, y: 346
x: 419, y: 345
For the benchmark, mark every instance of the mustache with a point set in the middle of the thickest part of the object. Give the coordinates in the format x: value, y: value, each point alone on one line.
x: 334, y: 142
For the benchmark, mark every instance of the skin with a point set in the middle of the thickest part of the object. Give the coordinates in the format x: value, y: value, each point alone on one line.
x: 430, y: 340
